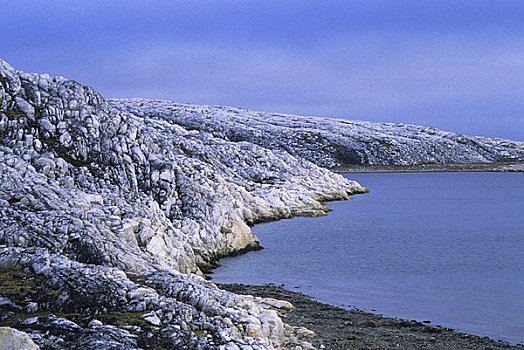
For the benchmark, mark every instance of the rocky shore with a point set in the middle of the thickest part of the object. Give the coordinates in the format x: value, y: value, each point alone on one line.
x: 111, y: 209
x: 334, y: 328
x: 517, y: 166
x: 112, y: 216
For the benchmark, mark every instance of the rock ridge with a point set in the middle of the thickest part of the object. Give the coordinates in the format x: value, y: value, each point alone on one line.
x: 330, y: 142
x: 111, y: 209
x: 112, y: 215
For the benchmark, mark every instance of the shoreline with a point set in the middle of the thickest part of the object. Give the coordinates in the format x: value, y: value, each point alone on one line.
x: 337, y: 328
x: 109, y: 205
x: 510, y: 166
x: 213, y: 261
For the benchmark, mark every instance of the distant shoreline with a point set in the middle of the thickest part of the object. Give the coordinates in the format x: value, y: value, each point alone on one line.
x: 515, y: 166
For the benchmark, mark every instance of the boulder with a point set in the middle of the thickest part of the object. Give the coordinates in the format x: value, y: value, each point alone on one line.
x: 13, y: 339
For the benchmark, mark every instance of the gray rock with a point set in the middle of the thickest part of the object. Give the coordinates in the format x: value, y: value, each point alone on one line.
x: 46, y: 125
x: 330, y: 142
x: 115, y: 207
x: 12, y: 339
x: 152, y: 318
x: 8, y: 305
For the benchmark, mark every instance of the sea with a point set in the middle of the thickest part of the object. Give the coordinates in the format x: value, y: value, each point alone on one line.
x: 443, y: 247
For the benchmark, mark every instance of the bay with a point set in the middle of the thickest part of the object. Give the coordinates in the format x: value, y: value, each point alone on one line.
x: 445, y: 247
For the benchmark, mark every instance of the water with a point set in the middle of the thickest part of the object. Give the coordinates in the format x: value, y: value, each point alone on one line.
x: 445, y: 247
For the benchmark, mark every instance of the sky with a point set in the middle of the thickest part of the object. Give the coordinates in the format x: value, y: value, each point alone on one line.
x: 454, y: 65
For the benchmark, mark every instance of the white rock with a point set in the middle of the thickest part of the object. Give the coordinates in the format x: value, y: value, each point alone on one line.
x: 95, y: 323
x: 152, y: 318
x: 12, y: 339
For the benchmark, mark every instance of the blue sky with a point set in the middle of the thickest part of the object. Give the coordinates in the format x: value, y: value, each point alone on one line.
x: 455, y: 65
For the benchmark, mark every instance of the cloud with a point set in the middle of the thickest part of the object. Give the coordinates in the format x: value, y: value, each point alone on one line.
x: 453, y: 65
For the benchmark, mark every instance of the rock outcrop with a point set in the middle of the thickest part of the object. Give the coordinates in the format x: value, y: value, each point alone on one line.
x: 111, y: 216
x: 331, y: 142
x: 111, y: 210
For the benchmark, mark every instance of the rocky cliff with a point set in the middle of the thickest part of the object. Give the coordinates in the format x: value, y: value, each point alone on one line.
x: 111, y: 209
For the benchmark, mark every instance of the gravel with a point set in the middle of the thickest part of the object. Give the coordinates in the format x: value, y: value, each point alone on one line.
x: 340, y: 329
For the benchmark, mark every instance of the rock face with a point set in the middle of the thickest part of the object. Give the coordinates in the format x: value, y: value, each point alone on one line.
x: 108, y: 216
x: 331, y: 142
x: 110, y: 210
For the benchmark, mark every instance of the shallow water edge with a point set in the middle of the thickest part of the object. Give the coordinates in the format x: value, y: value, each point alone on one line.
x: 365, y: 244
x: 340, y: 329
x: 510, y: 166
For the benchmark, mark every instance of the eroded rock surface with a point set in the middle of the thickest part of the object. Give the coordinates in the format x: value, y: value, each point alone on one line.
x: 111, y: 215
x: 331, y: 142
x: 110, y: 210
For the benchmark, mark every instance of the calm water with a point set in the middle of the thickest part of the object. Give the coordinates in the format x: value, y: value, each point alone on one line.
x: 445, y: 247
